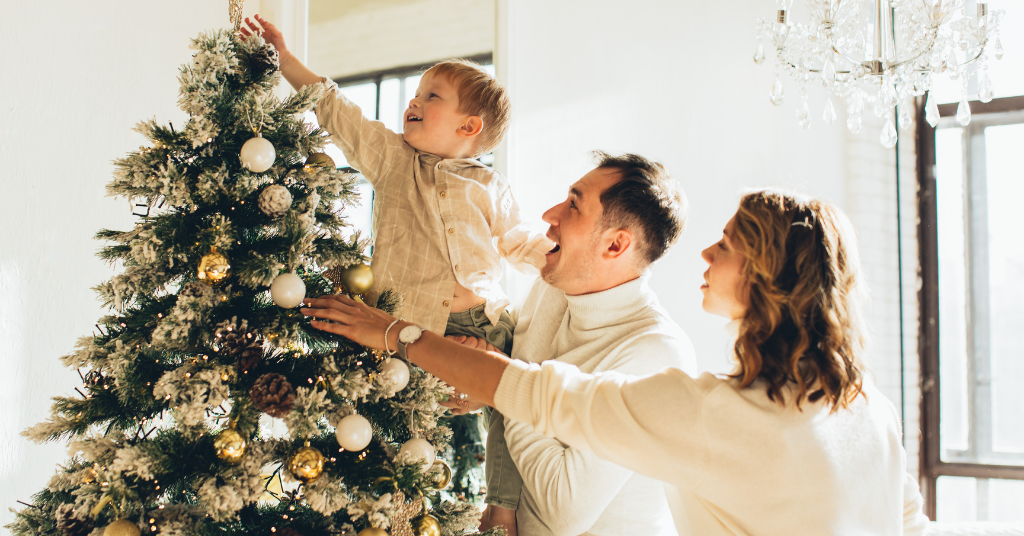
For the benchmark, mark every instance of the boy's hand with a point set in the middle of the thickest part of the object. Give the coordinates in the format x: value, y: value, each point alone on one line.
x: 269, y: 32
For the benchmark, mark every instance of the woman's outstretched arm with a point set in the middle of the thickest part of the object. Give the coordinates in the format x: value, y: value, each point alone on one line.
x: 473, y: 371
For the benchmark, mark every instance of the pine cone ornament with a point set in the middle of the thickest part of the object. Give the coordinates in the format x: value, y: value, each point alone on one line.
x: 264, y: 62
x: 69, y: 525
x: 194, y: 289
x: 273, y: 395
x: 242, y: 347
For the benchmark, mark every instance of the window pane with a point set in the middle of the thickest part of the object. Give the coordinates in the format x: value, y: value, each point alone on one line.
x: 953, y: 428
x: 956, y: 499
x: 1005, y: 499
x: 359, y: 216
x: 364, y: 96
x: 391, y: 105
x: 1006, y: 283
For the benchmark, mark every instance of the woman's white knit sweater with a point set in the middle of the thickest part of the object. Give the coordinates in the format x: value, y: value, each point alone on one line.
x: 734, y: 461
x: 567, y: 492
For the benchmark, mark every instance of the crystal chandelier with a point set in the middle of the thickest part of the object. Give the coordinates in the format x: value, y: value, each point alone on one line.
x: 883, y: 53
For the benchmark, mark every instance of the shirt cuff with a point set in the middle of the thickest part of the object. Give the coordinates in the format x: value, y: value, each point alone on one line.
x: 514, y: 395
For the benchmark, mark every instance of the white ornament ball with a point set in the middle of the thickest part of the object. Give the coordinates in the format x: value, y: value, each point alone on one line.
x: 418, y: 449
x: 287, y: 290
x: 354, y: 433
x: 258, y: 154
x: 398, y: 372
x: 275, y: 200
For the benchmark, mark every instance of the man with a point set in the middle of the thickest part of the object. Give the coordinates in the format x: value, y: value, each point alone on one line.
x: 593, y: 309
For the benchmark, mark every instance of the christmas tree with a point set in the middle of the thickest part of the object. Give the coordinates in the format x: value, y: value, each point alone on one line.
x: 174, y: 431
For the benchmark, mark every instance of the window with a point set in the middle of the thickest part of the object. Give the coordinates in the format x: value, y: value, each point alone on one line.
x: 972, y: 311
x: 384, y: 96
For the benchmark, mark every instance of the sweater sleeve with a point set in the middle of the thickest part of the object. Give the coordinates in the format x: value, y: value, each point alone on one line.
x: 522, y: 244
x: 572, y: 488
x: 652, y: 425
x: 914, y: 520
x: 368, y: 145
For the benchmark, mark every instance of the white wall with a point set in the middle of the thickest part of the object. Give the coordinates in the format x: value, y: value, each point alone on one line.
x: 77, y: 76
x: 361, y: 36
x: 673, y: 81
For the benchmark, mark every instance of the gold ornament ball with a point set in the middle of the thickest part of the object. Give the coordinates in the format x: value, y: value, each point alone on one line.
x: 357, y: 279
x: 373, y: 531
x: 230, y: 446
x: 214, y: 268
x: 425, y: 525
x: 440, y: 475
x: 320, y: 160
x: 122, y: 527
x: 307, y: 464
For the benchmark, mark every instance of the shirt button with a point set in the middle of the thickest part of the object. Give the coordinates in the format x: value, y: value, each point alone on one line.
x: 446, y: 303
x: 451, y: 230
x: 456, y: 267
x: 438, y: 165
x: 443, y: 194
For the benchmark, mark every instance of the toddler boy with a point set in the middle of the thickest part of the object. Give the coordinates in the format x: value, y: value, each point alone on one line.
x: 442, y: 220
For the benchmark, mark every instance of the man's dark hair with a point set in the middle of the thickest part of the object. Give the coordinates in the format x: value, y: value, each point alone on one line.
x: 645, y: 201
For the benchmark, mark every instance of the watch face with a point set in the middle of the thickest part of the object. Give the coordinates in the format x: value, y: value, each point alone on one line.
x: 410, y: 334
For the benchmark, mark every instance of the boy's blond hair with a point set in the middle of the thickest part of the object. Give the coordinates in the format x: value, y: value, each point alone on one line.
x: 481, y: 95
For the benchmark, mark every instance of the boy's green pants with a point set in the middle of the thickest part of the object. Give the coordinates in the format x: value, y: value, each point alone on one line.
x: 503, y: 481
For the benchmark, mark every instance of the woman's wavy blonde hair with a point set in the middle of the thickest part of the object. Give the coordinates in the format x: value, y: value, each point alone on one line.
x: 803, y: 325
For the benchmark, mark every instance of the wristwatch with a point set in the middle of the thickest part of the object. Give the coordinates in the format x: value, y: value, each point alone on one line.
x: 407, y: 336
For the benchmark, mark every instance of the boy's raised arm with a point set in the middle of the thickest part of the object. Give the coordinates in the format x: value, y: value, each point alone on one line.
x: 293, y: 70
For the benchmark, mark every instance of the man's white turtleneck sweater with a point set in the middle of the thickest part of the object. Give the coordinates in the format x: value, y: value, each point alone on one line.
x: 568, y: 492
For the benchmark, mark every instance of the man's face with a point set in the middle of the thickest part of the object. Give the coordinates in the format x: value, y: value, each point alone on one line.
x: 573, y: 223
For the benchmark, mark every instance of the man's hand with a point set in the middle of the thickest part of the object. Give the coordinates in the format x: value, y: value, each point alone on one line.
x: 269, y: 32
x: 496, y: 516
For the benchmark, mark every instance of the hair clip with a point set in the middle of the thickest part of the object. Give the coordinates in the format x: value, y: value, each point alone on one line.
x: 803, y: 223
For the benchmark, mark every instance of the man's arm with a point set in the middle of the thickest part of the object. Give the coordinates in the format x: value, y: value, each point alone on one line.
x: 572, y: 488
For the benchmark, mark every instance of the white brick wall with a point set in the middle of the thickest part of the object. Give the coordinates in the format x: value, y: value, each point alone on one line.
x: 365, y: 36
x: 871, y: 205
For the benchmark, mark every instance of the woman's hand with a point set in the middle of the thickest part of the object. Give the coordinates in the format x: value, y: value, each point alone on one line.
x: 461, y: 403
x: 269, y: 32
x: 353, y: 320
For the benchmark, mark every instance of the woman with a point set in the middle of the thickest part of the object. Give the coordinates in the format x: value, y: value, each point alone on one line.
x: 796, y: 441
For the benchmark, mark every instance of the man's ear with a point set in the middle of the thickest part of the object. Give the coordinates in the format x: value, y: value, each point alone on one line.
x: 472, y: 126
x: 619, y: 243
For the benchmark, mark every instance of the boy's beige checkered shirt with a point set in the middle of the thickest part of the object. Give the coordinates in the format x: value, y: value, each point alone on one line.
x: 435, y: 221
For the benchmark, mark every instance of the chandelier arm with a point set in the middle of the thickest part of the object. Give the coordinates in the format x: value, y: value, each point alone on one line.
x: 841, y: 54
x: 922, y: 52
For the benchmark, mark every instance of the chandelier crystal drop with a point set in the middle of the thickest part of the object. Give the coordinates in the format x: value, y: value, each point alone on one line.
x: 881, y: 52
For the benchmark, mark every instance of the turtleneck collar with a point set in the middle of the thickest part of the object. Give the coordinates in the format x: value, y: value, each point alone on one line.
x: 612, y: 306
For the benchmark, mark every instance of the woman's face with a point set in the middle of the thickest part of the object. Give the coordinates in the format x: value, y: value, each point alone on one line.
x: 724, y: 288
